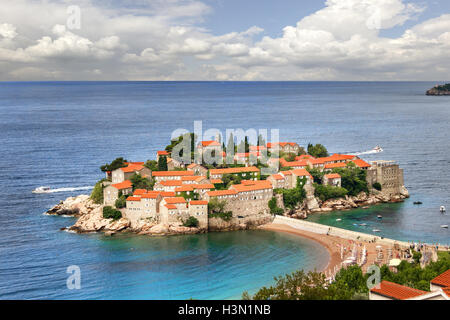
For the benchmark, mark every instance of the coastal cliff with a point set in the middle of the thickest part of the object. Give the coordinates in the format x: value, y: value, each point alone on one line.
x: 442, y: 90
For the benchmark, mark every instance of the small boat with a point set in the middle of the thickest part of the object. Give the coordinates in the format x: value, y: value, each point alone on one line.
x: 363, y: 224
x: 42, y: 189
x: 417, y: 202
x: 444, y: 226
x: 442, y: 209
x: 376, y: 230
x: 378, y: 149
x: 379, y: 216
x: 338, y: 220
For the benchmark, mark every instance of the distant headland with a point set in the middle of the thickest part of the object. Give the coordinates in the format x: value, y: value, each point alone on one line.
x: 440, y: 90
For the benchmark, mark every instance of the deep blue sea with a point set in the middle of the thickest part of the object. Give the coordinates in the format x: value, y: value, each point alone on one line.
x: 58, y: 134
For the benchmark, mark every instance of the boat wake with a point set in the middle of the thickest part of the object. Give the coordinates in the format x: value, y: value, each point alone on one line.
x: 377, y: 149
x: 64, y: 189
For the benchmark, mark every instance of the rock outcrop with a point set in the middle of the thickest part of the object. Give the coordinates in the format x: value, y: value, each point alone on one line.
x: 443, y: 90
x: 74, y: 206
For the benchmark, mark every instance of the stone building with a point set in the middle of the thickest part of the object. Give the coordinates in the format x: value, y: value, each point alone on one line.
x: 248, y: 173
x: 332, y: 179
x: 198, y: 169
x: 170, y: 175
x: 199, y: 210
x: 111, y: 191
x: 245, y: 199
x: 122, y: 174
x: 285, y: 147
x: 388, y: 174
x: 174, y: 209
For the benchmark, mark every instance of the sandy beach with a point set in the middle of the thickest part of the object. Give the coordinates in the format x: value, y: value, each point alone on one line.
x: 333, y: 245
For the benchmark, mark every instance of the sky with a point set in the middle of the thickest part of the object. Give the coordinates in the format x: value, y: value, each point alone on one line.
x: 225, y: 40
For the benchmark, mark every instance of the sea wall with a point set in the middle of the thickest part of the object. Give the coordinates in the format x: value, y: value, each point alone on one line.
x: 337, y: 232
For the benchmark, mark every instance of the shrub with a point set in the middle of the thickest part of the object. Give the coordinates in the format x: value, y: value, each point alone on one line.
x: 317, y: 150
x: 121, y: 202
x: 325, y: 192
x: 274, y: 209
x: 97, y: 192
x: 191, y: 222
x: 111, y: 213
x: 140, y: 182
x: 353, y: 179
x: 115, y: 164
x: 225, y: 216
x: 216, y: 209
x: 377, y: 186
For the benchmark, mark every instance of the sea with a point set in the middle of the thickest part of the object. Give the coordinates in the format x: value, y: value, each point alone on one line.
x: 58, y: 134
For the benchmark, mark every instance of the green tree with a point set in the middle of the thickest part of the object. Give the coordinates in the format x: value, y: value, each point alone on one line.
x: 140, y: 182
x: 353, y: 179
x: 377, y: 186
x: 152, y: 165
x: 115, y: 164
x: 162, y: 163
x: 273, y: 206
x: 121, y: 202
x: 317, y: 174
x: 97, y: 192
x: 317, y: 150
x: 325, y: 192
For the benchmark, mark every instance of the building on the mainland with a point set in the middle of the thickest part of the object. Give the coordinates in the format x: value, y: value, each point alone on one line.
x: 332, y: 179
x: 285, y: 147
x: 439, y: 290
x: 388, y: 174
x: 248, y: 173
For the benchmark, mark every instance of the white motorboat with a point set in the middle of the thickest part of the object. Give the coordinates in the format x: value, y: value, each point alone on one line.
x: 378, y: 149
x: 379, y: 216
x: 338, y: 220
x: 376, y: 230
x: 363, y: 224
x: 42, y: 189
x: 442, y: 209
x: 445, y: 226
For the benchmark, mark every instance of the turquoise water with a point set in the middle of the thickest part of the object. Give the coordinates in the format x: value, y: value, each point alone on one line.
x: 206, y: 266
x: 59, y: 133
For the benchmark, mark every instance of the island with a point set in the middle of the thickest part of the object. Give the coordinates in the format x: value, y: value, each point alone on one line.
x: 167, y: 196
x: 439, y: 90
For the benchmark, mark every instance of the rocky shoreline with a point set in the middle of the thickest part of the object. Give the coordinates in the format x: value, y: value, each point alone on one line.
x: 439, y: 91
x: 312, y: 205
x: 90, y: 219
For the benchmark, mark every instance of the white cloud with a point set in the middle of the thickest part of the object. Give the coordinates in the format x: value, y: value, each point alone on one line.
x: 156, y: 39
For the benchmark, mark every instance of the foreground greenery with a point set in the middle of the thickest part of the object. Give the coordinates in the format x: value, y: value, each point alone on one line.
x: 111, y: 213
x: 350, y: 283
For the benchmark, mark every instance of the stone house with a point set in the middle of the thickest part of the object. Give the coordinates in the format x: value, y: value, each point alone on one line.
x: 388, y: 174
x: 174, y: 210
x: 198, y: 170
x: 170, y: 175
x: 212, y: 147
x: 285, y: 147
x: 194, y: 180
x: 332, y: 179
x: 111, y: 192
x: 167, y: 185
x: 142, y: 206
x: 172, y: 164
x: 122, y: 174
x: 249, y: 173
x: 199, y: 210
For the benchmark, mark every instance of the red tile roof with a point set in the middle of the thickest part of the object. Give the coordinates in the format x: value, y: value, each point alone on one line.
x: 184, y: 188
x: 133, y: 199
x: 298, y: 163
x: 170, y: 206
x: 123, y: 185
x: 214, y: 181
x: 198, y: 202
x: 233, y: 170
x: 171, y: 183
x: 221, y: 193
x: 301, y: 173
x: 282, y: 144
x: 304, y: 156
x: 172, y: 173
x: 246, y: 186
x: 132, y: 168
x: 210, y: 143
x: 277, y: 176
x: 151, y: 195
x: 165, y: 194
x: 192, y: 178
x: 361, y: 163
x: 332, y: 176
x: 162, y: 153
x: 139, y: 192
x: 335, y: 165
x: 397, y: 291
x: 442, y: 280
x: 175, y: 200
x: 203, y: 186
